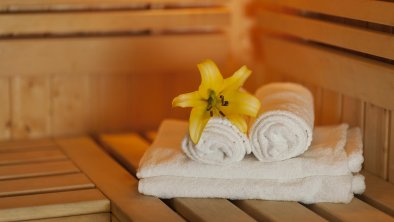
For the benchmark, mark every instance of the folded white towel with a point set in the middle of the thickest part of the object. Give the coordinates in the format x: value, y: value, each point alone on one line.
x: 321, y: 174
x: 220, y: 143
x: 283, y: 128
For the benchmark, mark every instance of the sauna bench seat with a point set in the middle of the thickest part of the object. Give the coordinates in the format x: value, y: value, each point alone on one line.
x: 93, y: 179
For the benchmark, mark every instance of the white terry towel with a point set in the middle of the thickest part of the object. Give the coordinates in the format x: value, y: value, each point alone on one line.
x: 284, y: 124
x: 321, y: 174
x: 220, y: 143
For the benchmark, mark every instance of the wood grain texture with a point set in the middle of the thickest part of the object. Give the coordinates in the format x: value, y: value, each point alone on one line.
x: 356, y: 210
x: 30, y: 107
x: 352, y: 111
x: 331, y: 108
x: 340, y: 72
x: 115, y: 182
x: 113, y: 21
x: 376, y: 140
x: 277, y: 210
x: 31, y: 156
x: 44, y: 184
x: 37, y: 169
x: 5, y: 111
x: 391, y: 148
x: 373, y: 11
x: 111, y: 55
x: 378, y: 193
x: 22, y: 145
x: 353, y: 38
x: 49, y: 205
x: 71, y: 104
x: 100, y: 217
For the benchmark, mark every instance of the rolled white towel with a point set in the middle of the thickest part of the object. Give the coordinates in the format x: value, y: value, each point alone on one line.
x: 220, y: 143
x: 283, y: 128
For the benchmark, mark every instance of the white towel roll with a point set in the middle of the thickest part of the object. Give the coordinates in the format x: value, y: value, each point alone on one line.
x: 220, y: 143
x: 283, y: 128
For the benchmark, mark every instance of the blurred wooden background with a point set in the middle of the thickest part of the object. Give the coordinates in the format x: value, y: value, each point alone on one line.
x: 76, y: 67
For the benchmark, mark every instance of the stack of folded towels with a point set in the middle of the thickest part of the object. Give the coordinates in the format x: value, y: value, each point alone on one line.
x: 284, y: 157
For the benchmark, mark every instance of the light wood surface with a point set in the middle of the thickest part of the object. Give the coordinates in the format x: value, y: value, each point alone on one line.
x: 100, y: 217
x: 116, y: 183
x: 352, y: 111
x: 373, y: 11
x: 331, y: 107
x: 22, y: 145
x: 391, y: 148
x: 37, y: 169
x: 53, y: 205
x: 31, y: 156
x: 44, y: 184
x: 113, y: 21
x: 361, y: 40
x: 376, y: 140
x: 5, y: 111
x: 340, y: 72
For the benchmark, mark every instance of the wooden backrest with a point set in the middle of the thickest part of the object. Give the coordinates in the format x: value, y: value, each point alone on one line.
x: 76, y: 67
x: 344, y: 52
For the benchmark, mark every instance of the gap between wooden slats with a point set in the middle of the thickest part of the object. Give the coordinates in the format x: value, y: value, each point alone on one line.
x: 129, y: 148
x: 45, y: 184
x: 372, y: 11
x: 115, y: 182
x: 31, y: 157
x: 114, y: 21
x: 59, y: 204
x: 353, y: 38
x: 37, y: 169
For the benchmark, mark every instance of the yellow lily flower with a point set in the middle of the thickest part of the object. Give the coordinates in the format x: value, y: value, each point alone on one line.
x: 218, y: 97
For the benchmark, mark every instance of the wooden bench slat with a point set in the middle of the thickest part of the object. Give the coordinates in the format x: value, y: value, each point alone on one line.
x: 361, y: 40
x: 101, y: 217
x: 277, y: 210
x: 114, y: 219
x: 356, y: 210
x: 131, y: 147
x: 37, y: 169
x: 49, y: 205
x: 115, y: 182
x: 44, y: 184
x: 372, y: 11
x: 115, y: 21
x: 31, y: 156
x: 378, y: 193
x: 27, y: 144
x: 341, y: 72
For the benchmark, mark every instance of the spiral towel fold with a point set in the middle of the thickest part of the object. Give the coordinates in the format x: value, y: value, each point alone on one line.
x: 283, y: 128
x: 221, y: 143
x: 322, y: 174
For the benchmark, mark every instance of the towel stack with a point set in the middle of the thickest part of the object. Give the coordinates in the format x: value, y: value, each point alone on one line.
x: 284, y: 158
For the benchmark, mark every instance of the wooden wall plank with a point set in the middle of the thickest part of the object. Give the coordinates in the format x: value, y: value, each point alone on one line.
x: 100, y: 217
x: 113, y: 21
x: 5, y: 111
x: 44, y: 184
x: 57, y: 204
x: 381, y: 12
x: 331, y: 110
x: 37, y: 169
x: 111, y: 55
x: 352, y: 111
x: 341, y: 72
x: 30, y: 107
x: 353, y: 38
x: 376, y: 140
x: 71, y: 104
x: 391, y: 148
x: 115, y: 182
x: 31, y: 156
x: 32, y: 144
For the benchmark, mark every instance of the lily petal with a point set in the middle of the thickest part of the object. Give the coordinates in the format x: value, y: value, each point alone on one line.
x: 237, y: 79
x: 191, y: 99
x: 211, y: 78
x: 241, y: 103
x: 198, y: 119
x: 239, y: 121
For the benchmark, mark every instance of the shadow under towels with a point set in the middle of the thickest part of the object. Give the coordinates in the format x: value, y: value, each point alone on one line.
x: 324, y: 173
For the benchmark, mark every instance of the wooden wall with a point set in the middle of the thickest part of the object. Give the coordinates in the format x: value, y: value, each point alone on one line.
x: 343, y: 51
x: 77, y: 67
